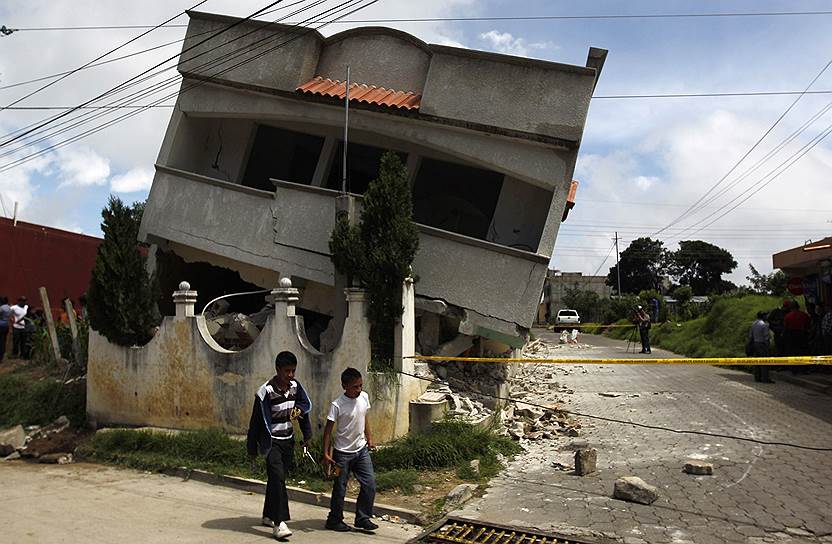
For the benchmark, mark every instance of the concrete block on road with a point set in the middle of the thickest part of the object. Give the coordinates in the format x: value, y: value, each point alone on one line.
x: 634, y: 489
x: 12, y: 439
x: 699, y: 468
x: 586, y: 461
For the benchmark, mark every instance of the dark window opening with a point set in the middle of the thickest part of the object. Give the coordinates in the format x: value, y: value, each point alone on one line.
x: 282, y: 154
x: 363, y: 162
x: 456, y: 198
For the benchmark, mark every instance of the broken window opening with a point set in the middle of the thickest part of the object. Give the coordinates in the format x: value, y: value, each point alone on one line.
x: 314, y: 324
x: 455, y: 197
x: 235, y: 322
x: 282, y: 154
x: 363, y: 162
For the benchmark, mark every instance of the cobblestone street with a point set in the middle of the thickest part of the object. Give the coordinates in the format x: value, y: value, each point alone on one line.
x: 757, y: 493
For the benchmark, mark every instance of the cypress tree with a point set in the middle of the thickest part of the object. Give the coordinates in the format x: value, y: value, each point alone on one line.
x: 122, y: 298
x: 379, y: 251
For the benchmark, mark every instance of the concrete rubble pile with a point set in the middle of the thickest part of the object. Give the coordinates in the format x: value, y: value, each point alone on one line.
x: 461, y: 406
x: 232, y: 330
x: 52, y: 443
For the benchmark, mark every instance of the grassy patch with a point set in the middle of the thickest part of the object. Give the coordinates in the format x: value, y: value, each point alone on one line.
x: 721, y: 333
x: 401, y: 479
x: 447, y: 445
x: 37, y: 402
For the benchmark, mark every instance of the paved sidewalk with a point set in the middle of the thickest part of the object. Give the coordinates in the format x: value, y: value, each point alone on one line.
x: 90, y: 504
x: 757, y: 493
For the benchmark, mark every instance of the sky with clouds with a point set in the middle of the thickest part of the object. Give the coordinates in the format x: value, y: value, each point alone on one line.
x: 642, y: 162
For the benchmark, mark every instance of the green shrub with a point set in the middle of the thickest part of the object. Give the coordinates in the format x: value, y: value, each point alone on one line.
x: 28, y: 402
x: 401, y: 479
x: 445, y: 445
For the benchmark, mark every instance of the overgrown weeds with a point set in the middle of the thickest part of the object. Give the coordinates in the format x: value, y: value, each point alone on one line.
x: 447, y: 445
x: 28, y: 402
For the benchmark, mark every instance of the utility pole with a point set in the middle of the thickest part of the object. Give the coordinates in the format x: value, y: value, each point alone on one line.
x: 346, y: 129
x: 617, y: 264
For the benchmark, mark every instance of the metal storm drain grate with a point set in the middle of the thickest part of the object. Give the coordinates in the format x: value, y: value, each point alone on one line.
x: 465, y: 531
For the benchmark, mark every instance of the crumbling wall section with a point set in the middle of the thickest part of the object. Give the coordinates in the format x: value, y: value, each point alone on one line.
x: 183, y: 379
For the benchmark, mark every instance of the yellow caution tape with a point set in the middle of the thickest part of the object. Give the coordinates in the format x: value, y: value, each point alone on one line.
x: 720, y: 361
x: 591, y: 326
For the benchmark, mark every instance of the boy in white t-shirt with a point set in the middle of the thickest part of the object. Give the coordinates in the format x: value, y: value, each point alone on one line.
x: 351, y: 453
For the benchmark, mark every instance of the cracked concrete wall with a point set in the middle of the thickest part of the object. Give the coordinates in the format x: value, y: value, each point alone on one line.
x: 261, y: 229
x: 182, y: 379
x: 512, y: 92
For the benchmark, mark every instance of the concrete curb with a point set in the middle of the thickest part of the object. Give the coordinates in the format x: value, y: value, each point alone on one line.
x: 802, y: 382
x: 296, y: 494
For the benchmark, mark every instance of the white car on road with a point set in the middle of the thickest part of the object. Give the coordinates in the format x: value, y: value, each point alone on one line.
x: 567, y: 318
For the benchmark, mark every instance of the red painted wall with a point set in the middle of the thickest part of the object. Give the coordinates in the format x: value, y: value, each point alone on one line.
x: 33, y: 256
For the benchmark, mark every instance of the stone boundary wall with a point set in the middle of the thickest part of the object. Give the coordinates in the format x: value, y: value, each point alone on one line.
x: 182, y: 379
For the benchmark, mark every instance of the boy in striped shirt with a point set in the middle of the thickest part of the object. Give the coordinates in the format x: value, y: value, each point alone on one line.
x: 277, y: 403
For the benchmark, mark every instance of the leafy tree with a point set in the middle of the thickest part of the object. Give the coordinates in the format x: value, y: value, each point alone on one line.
x: 380, y: 249
x: 121, y: 297
x: 701, y: 265
x: 586, y: 303
x: 642, y: 266
x: 775, y: 283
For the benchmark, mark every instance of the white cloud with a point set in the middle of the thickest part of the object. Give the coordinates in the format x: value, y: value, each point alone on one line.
x: 638, y: 188
x: 81, y: 166
x: 132, y: 181
x: 645, y: 182
x: 504, y: 42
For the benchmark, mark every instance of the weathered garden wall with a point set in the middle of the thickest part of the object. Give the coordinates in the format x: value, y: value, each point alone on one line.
x: 182, y: 379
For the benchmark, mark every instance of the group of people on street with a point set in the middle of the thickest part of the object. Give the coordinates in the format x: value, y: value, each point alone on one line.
x: 22, y: 322
x: 282, y: 400
x: 794, y: 332
x: 22, y: 325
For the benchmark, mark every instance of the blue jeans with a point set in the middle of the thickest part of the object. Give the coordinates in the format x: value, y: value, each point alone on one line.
x: 360, y: 464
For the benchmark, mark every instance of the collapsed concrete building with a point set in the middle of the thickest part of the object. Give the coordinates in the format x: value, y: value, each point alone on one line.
x: 249, y: 171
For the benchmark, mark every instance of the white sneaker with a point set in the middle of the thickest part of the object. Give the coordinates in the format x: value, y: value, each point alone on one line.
x: 281, y: 531
x: 267, y: 522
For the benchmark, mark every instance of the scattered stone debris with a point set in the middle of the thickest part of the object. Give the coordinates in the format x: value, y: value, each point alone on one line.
x: 699, y: 468
x: 796, y: 531
x: 634, y: 489
x: 586, y: 461
x: 459, y: 496
x: 562, y: 466
x: 56, y: 437
x: 12, y: 439
x: 56, y: 458
x: 460, y: 406
x: 12, y: 456
x: 610, y: 394
x: 475, y: 466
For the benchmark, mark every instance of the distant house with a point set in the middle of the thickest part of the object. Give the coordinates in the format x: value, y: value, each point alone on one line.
x: 36, y: 256
x: 557, y: 284
x: 250, y: 170
x: 809, y: 268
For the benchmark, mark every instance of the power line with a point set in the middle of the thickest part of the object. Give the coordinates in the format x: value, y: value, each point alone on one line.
x: 633, y: 423
x: 85, y: 65
x: 762, y: 185
x: 47, y: 108
x: 672, y: 205
x: 189, y: 48
x: 154, y: 48
x: 482, y: 19
x: 166, y: 83
x: 704, y: 95
x: 340, y: 7
x: 747, y: 153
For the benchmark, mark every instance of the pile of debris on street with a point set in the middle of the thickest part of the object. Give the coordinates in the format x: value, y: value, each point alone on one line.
x: 52, y: 443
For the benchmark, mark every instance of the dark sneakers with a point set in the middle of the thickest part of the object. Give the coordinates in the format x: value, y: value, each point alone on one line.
x: 340, y: 526
x: 366, y: 525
